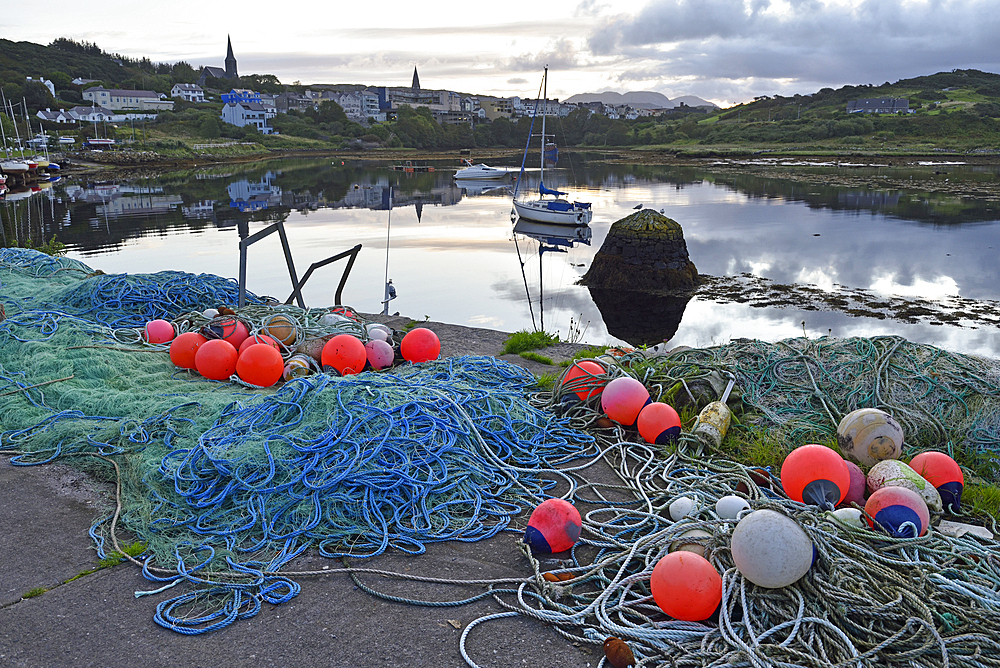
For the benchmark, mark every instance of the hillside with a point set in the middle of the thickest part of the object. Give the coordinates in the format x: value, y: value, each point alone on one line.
x: 639, y: 99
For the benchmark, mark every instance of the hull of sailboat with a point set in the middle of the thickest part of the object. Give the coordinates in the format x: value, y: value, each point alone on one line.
x: 542, y: 211
x: 14, y: 168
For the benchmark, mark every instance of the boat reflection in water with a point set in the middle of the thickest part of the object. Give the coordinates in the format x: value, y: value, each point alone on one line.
x: 551, y: 238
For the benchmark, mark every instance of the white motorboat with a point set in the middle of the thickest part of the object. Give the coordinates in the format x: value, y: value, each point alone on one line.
x: 480, y: 172
x: 551, y: 205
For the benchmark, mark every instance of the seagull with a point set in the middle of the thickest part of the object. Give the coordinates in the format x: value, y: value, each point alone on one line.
x: 637, y: 206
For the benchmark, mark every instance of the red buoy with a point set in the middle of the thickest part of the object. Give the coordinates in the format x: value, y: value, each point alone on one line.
x: 900, y: 511
x: 260, y: 364
x: 623, y: 398
x: 229, y: 328
x: 816, y: 475
x: 554, y: 526
x: 420, y: 345
x: 590, y: 375
x: 216, y: 359
x: 659, y: 423
x: 345, y: 354
x: 686, y: 586
x: 184, y: 348
x: 944, y: 473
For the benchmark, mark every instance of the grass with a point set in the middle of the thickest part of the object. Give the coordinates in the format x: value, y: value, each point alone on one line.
x: 585, y: 354
x: 523, y: 341
x: 535, y: 357
x: 547, y: 381
x: 32, y: 593
x: 982, y: 499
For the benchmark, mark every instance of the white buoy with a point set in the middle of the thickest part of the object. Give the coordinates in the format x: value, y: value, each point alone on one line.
x: 729, y: 507
x: 698, y: 548
x: 770, y: 549
x: 869, y: 435
x: 680, y: 507
x: 334, y: 319
x: 377, y: 334
x: 851, y: 517
x: 210, y: 313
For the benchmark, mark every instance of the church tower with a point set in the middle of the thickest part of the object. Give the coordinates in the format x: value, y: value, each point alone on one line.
x: 230, y: 60
x: 416, y: 80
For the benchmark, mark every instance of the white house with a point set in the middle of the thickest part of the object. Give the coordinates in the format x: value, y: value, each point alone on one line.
x: 243, y: 114
x: 45, y: 82
x: 126, y: 99
x: 188, y: 92
x: 57, y: 116
x: 92, y: 114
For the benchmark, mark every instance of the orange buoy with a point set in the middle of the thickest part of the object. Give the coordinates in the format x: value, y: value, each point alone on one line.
x: 659, y: 423
x: 816, y: 475
x: 184, y: 348
x: 899, y: 511
x: 944, y: 473
x: 260, y: 364
x: 216, y: 359
x: 686, y: 586
x: 259, y: 338
x: 591, y: 374
x: 420, y: 345
x: 345, y: 354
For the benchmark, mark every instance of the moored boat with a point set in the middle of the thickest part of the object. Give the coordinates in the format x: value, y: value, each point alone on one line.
x: 480, y: 172
x: 551, y: 205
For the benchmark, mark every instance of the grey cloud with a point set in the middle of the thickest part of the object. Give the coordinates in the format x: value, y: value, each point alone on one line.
x: 725, y: 40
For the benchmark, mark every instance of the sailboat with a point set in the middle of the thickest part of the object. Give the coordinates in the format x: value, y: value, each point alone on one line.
x: 551, y: 205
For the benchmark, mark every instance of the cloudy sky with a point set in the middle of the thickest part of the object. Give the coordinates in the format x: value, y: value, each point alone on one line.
x: 726, y: 51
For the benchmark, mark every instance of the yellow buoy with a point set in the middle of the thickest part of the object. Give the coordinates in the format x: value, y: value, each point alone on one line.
x: 282, y: 329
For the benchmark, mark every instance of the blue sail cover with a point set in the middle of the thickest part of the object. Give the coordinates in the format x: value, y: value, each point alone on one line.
x: 545, y: 191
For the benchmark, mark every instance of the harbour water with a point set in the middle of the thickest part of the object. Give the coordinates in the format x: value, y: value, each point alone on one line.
x: 453, y: 256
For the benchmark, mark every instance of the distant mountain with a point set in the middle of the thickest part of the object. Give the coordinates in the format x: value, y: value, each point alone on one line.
x: 640, y: 100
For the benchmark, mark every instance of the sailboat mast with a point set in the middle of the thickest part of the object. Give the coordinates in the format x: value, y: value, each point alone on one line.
x: 545, y: 105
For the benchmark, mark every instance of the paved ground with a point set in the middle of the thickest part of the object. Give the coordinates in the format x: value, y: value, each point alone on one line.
x: 96, y: 620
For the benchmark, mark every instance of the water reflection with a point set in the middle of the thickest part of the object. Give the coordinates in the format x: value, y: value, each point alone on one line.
x: 548, y: 238
x: 451, y: 241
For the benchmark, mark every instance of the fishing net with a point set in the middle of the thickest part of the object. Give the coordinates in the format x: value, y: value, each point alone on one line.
x: 225, y: 485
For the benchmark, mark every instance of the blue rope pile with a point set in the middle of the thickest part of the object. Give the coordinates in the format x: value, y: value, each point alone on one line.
x: 124, y: 300
x: 449, y: 450
x: 38, y: 263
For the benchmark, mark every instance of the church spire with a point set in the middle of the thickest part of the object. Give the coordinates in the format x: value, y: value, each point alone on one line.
x: 416, y: 80
x: 230, y: 60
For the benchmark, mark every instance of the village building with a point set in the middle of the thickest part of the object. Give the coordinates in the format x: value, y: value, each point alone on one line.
x: 188, y: 92
x: 243, y: 114
x: 118, y: 99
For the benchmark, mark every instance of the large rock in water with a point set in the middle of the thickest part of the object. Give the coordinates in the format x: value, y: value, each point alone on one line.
x: 642, y: 278
x: 643, y: 252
